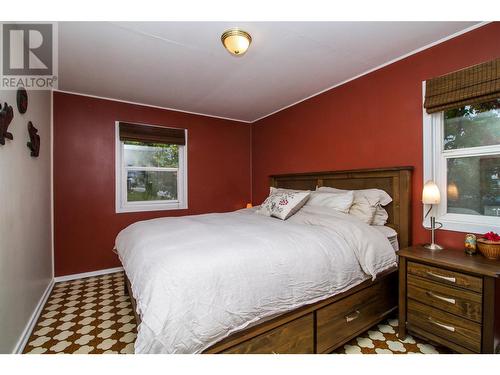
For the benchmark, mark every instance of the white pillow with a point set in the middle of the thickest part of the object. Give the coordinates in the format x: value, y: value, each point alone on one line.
x: 361, y: 206
x: 338, y: 201
x: 380, y: 217
x: 374, y: 196
x: 377, y: 195
x: 366, y: 202
x: 362, y: 209
x: 283, y: 203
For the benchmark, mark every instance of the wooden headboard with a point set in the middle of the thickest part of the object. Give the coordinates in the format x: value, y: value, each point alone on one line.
x: 395, y: 181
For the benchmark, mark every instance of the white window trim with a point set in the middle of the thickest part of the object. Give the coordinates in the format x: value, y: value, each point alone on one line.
x: 435, y: 169
x: 121, y: 204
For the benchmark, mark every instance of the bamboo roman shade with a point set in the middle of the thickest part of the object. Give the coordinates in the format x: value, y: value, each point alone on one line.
x: 475, y: 84
x: 153, y: 134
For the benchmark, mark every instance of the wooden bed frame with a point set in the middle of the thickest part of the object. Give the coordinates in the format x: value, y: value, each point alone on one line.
x: 324, y: 326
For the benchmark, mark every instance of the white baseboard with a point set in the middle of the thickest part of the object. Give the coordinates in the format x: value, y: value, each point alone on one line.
x: 76, y: 276
x: 23, y: 340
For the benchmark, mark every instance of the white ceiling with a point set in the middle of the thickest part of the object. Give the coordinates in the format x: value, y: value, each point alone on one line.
x: 183, y: 65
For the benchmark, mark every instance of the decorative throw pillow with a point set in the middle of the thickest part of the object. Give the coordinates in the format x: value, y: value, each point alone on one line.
x: 338, y: 201
x: 380, y: 217
x: 283, y: 203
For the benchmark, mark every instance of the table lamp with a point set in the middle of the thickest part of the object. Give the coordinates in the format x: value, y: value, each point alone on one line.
x: 431, y: 196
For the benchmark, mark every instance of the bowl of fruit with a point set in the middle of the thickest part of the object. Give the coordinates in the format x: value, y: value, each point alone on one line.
x: 489, y: 245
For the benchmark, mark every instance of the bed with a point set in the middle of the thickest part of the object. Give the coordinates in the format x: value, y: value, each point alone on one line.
x: 212, y: 310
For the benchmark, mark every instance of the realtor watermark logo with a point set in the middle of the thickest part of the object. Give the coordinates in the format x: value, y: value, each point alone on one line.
x: 29, y: 56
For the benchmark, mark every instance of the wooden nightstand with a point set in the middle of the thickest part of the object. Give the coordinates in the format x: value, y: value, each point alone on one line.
x: 450, y: 298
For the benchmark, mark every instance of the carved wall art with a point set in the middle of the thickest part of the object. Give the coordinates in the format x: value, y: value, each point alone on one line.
x: 34, y: 143
x: 6, y: 116
x: 22, y: 100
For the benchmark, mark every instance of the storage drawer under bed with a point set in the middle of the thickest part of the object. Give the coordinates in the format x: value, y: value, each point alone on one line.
x: 295, y: 337
x: 339, y: 322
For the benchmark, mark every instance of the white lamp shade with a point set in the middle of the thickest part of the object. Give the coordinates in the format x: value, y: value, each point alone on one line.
x: 430, y: 193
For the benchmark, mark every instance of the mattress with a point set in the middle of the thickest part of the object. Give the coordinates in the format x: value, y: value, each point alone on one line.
x: 198, y: 279
x: 390, y: 233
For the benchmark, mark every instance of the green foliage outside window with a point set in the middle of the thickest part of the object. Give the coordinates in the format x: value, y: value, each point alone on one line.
x: 473, y: 181
x: 151, y: 185
x: 472, y: 126
x: 152, y: 155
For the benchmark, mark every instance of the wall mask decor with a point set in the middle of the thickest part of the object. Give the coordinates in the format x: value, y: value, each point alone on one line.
x: 22, y: 100
x: 6, y: 116
x: 34, y: 143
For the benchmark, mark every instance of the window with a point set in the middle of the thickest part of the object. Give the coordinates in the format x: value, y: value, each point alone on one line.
x: 150, y: 168
x: 462, y: 155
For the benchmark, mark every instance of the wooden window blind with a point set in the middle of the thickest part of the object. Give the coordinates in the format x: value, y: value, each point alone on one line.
x: 478, y: 83
x: 152, y: 134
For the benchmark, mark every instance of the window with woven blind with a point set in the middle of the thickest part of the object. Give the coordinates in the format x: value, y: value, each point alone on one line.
x: 476, y: 84
x: 153, y: 134
x: 462, y: 146
x: 150, y: 168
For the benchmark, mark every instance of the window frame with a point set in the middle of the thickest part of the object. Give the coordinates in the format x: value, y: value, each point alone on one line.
x: 121, y: 203
x: 435, y: 168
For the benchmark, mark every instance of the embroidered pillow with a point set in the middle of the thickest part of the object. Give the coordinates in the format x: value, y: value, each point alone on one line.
x: 283, y: 203
x: 338, y: 201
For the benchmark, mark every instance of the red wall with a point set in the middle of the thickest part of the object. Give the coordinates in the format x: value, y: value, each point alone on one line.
x: 373, y: 121
x: 85, y: 222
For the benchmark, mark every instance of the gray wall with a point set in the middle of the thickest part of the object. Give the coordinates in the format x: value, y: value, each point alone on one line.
x: 25, y: 218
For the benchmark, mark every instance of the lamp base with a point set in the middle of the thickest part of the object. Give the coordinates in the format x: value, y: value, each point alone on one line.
x: 433, y: 246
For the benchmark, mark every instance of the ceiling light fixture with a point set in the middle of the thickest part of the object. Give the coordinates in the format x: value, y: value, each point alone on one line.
x: 236, y: 41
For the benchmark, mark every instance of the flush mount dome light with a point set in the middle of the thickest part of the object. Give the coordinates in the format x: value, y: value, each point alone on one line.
x: 236, y: 41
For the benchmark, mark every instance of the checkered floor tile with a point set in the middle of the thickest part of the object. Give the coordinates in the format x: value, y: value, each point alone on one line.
x: 95, y: 316
x: 382, y: 339
x: 91, y: 315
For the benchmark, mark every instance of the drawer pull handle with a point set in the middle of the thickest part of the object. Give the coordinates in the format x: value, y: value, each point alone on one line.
x: 446, y: 299
x: 352, y: 316
x: 450, y: 279
x: 449, y: 328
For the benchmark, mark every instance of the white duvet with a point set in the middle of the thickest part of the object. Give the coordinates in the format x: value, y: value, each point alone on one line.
x: 198, y: 279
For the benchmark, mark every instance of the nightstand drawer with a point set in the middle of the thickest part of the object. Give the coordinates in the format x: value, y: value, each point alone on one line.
x: 445, y: 276
x: 450, y: 298
x: 450, y: 327
x: 453, y: 300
